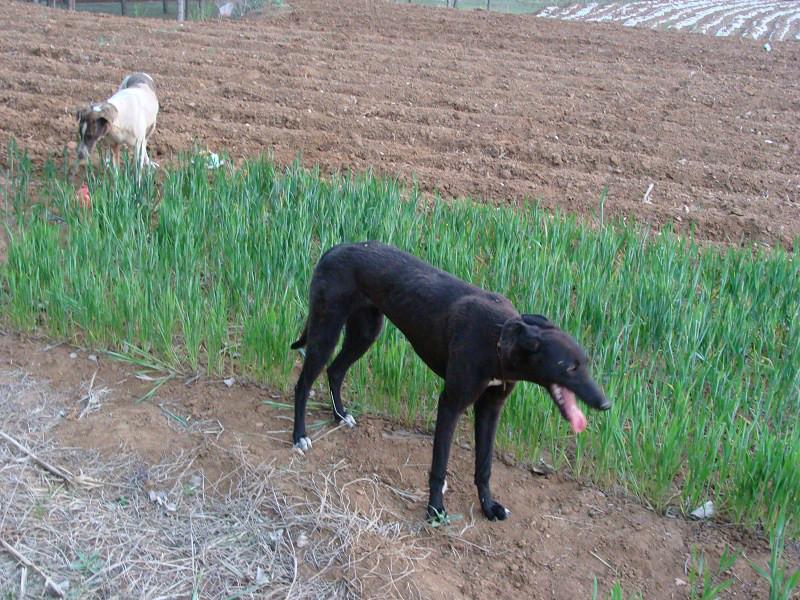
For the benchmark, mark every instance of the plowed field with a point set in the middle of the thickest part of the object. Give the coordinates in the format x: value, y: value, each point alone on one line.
x: 496, y: 107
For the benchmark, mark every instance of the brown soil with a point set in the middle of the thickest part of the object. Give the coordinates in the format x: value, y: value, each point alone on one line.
x: 497, y: 107
x: 561, y: 533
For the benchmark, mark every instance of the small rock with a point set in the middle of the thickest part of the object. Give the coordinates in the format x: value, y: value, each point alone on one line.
x: 302, y: 541
x: 59, y: 592
x: 229, y: 381
x: 679, y: 582
x: 73, y: 355
x: 92, y: 357
x: 507, y: 459
x: 542, y: 468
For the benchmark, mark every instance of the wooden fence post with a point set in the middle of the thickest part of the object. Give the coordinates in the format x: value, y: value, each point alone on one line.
x: 181, y: 10
x: 71, y: 4
x: 164, y: 3
x: 123, y: 8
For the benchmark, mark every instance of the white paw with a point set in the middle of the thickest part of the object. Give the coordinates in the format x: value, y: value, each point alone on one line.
x: 303, y: 444
x: 444, y: 487
x: 508, y: 512
x: 349, y: 421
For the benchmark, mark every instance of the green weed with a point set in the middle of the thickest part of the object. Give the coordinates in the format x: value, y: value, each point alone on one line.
x: 782, y: 583
x: 208, y: 270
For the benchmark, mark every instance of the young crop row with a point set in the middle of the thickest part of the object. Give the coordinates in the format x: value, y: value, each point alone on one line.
x: 698, y: 348
x: 757, y: 19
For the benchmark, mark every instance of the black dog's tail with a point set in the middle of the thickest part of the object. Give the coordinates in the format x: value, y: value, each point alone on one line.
x: 302, y: 340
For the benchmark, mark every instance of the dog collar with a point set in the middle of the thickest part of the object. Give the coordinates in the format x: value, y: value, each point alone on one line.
x: 502, y: 380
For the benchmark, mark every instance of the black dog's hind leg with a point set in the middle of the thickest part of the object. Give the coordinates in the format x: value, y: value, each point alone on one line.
x: 322, y: 335
x: 487, y: 413
x: 363, y: 327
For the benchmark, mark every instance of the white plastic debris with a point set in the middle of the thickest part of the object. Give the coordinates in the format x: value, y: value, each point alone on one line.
x: 704, y: 512
x: 160, y: 498
x: 210, y: 159
x: 213, y: 161
x: 767, y: 47
x: 229, y: 381
x: 275, y: 536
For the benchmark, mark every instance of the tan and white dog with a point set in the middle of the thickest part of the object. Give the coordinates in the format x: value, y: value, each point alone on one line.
x: 127, y: 118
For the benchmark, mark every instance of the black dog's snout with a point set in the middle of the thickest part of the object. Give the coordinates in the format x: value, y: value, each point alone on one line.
x: 604, y: 405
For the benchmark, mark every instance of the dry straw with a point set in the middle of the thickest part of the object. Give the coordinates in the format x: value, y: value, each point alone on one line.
x: 125, y: 529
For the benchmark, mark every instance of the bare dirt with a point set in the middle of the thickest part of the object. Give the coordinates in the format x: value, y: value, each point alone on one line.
x: 561, y: 534
x: 492, y: 106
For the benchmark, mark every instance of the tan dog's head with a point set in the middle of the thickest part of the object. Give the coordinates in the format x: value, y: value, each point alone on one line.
x: 94, y: 122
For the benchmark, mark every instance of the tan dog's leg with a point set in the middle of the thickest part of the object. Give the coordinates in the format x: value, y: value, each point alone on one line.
x: 148, y: 160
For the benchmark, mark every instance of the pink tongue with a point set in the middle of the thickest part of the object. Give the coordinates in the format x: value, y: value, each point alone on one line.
x: 574, y: 415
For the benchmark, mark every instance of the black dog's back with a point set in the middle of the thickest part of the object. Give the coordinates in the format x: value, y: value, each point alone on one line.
x: 414, y: 295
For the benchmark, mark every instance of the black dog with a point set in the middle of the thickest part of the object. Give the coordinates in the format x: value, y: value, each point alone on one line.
x: 475, y: 340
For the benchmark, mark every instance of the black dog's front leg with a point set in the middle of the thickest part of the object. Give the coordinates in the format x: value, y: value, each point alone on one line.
x: 446, y: 419
x: 487, y: 414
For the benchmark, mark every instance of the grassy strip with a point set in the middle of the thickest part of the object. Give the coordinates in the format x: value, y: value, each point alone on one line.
x: 698, y: 347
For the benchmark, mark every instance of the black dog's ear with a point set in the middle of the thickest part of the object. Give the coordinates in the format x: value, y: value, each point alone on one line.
x: 538, y: 321
x: 518, y: 334
x: 530, y: 339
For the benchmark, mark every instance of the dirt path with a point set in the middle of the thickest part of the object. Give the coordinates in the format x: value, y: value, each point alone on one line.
x: 497, y: 107
x: 560, y: 536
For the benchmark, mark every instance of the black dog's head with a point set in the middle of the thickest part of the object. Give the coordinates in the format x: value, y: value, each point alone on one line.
x: 533, y: 349
x: 94, y: 122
